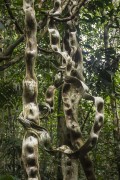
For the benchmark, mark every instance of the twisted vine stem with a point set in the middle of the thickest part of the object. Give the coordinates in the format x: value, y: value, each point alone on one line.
x: 30, y: 112
x: 74, y: 87
x: 73, y: 90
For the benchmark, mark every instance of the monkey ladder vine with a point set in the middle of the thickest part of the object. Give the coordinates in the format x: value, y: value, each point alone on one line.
x: 69, y: 77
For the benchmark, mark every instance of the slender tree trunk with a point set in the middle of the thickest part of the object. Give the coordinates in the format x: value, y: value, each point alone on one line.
x: 116, y: 118
x: 116, y: 132
x: 60, y: 133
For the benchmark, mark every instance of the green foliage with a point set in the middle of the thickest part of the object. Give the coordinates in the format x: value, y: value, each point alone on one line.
x: 6, y: 177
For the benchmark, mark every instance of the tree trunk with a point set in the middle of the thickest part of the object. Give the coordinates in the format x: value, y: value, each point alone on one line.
x: 116, y: 132
x: 116, y: 119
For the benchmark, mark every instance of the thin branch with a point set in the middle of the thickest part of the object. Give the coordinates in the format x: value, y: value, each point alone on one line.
x: 10, y: 49
x: 73, y: 15
x: 5, y: 66
x: 12, y: 16
x: 6, y: 55
x: 2, y: 57
x: 64, y: 19
x: 45, y: 50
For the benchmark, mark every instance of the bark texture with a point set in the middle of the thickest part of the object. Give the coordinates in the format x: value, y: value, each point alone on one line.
x: 30, y: 91
x: 73, y: 90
